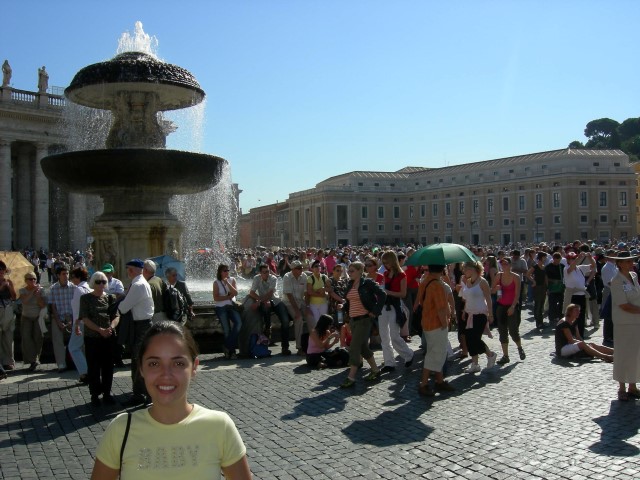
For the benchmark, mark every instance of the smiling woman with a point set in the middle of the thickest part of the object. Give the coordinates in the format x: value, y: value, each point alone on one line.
x: 173, y: 438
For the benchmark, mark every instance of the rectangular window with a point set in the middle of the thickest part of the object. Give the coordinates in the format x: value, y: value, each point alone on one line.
x: 624, y: 218
x: 381, y: 227
x: 556, y: 199
x: 538, y: 220
x: 447, y: 208
x: 410, y: 211
x: 521, y: 203
x: 435, y: 226
x: 505, y: 222
x: 538, y: 200
x: 318, y: 218
x: 423, y: 210
x: 476, y: 206
x: 584, y: 219
x: 380, y: 212
x: 623, y: 199
x: 342, y: 217
x: 490, y: 222
x: 505, y: 204
x: 435, y: 209
x: 296, y: 221
x: 364, y: 212
x: 556, y: 219
x: 397, y: 228
x: 523, y: 221
x: 603, y: 199
x: 584, y: 199
x: 396, y: 212
x: 365, y: 228
x: 604, y: 219
x: 490, y: 205
x: 461, y: 207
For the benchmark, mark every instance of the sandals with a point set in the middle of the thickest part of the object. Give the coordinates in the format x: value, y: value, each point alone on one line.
x: 371, y: 376
x: 348, y: 383
x: 623, y: 396
x: 633, y: 393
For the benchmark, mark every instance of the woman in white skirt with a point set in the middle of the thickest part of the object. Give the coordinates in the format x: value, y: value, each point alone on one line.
x: 625, y: 312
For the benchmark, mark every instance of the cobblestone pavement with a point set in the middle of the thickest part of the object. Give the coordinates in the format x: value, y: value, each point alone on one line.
x: 538, y: 418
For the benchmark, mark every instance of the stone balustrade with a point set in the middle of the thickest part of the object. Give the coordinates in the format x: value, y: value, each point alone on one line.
x: 28, y: 98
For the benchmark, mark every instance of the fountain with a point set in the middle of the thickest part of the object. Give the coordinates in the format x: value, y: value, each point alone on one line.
x: 135, y: 174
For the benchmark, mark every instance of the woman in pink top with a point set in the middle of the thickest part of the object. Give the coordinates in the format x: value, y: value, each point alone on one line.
x: 507, y: 315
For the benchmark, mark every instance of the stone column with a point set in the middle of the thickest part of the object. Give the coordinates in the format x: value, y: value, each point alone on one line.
x: 6, y: 205
x: 77, y: 221
x: 41, y: 201
x: 23, y: 199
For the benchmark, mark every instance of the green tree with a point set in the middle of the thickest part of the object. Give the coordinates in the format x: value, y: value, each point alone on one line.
x: 576, y: 144
x: 602, y: 134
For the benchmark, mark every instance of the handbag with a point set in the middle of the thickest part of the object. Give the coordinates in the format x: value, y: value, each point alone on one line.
x: 418, y: 311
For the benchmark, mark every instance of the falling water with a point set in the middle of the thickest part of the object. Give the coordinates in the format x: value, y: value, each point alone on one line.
x: 210, y: 217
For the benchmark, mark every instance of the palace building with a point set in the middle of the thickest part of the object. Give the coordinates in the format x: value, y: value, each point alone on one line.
x: 553, y: 196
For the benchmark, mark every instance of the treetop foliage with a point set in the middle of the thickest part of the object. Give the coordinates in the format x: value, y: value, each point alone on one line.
x: 605, y: 133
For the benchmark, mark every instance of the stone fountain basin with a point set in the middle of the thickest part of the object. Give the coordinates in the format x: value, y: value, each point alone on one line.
x: 99, y: 172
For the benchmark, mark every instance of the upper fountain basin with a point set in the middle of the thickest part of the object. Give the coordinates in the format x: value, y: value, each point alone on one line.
x: 98, y: 85
x: 162, y: 171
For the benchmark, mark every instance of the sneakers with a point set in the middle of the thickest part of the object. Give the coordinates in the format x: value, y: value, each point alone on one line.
x: 503, y: 360
x: 444, y: 386
x: 491, y: 361
x: 473, y: 368
x: 426, y: 391
x: 371, y: 376
x: 522, y: 354
x: 348, y: 383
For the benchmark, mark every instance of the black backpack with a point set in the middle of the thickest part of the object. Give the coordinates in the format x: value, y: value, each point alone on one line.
x: 175, y: 305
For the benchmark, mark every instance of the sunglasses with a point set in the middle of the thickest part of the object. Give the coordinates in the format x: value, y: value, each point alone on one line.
x: 100, y: 282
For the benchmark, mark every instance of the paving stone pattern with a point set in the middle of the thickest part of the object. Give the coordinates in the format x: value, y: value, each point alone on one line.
x: 539, y: 418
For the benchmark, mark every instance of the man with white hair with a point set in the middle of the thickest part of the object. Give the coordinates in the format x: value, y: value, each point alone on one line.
x: 158, y: 288
x: 140, y: 303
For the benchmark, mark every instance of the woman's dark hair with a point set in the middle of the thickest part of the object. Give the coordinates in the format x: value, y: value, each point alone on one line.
x: 80, y: 273
x: 221, y: 267
x: 316, y: 263
x: 3, y: 266
x: 167, y: 327
x: 324, y: 322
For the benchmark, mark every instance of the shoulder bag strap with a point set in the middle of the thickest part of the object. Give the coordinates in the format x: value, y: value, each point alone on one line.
x: 124, y: 440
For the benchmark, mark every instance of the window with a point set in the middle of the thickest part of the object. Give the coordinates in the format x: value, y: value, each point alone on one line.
x: 490, y: 222
x: 522, y: 221
x: 604, y: 219
x: 360, y: 184
x: 538, y: 220
x: 423, y: 226
x: 435, y: 209
x: 447, y: 208
x: 538, y: 200
x: 376, y: 184
x: 365, y: 228
x: 412, y: 227
x: 490, y: 205
x: 396, y: 212
x: 582, y: 182
x: 435, y: 226
x: 423, y: 210
x: 364, y: 212
x: 460, y: 224
x: 410, y: 211
x: 556, y: 219
x: 603, y: 199
x: 521, y: 203
x: 583, y: 199
x: 556, y: 199
x: 476, y: 206
x: 306, y: 220
x: 318, y: 218
x: 623, y: 199
x: 584, y: 219
x: 380, y: 212
x: 397, y: 228
x: 624, y: 218
x: 342, y: 217
x: 296, y: 221
x: 506, y: 222
x: 505, y: 204
x: 381, y: 227
x: 461, y: 207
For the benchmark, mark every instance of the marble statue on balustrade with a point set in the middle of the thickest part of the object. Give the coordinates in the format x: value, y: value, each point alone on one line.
x: 6, y: 73
x: 43, y: 80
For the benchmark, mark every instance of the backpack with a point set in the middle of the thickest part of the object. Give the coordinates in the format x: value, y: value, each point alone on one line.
x: 175, y: 305
x: 257, y: 346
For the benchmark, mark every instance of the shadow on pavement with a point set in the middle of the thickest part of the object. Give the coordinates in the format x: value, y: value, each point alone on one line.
x: 622, y: 423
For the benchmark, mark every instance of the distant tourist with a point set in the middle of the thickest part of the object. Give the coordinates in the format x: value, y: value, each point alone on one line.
x: 225, y: 291
x: 32, y: 298
x: 7, y: 319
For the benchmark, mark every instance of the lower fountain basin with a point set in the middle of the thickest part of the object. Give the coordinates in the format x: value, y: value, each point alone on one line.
x: 173, y: 172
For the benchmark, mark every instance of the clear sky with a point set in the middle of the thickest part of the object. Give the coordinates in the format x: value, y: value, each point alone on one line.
x: 301, y: 90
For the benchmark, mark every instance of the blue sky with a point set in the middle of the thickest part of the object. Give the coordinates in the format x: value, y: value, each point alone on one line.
x: 298, y: 91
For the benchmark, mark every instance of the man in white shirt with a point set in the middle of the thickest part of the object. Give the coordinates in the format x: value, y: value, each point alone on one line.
x: 575, y: 276
x: 140, y: 303
x: 608, y: 272
x: 294, y: 288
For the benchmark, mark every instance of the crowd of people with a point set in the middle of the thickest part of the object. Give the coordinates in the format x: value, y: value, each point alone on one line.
x: 343, y: 304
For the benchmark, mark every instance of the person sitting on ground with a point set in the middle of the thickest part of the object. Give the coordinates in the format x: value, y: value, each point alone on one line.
x: 569, y: 342
x: 321, y: 339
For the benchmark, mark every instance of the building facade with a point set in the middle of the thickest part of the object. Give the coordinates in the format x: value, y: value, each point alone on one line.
x: 553, y: 196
